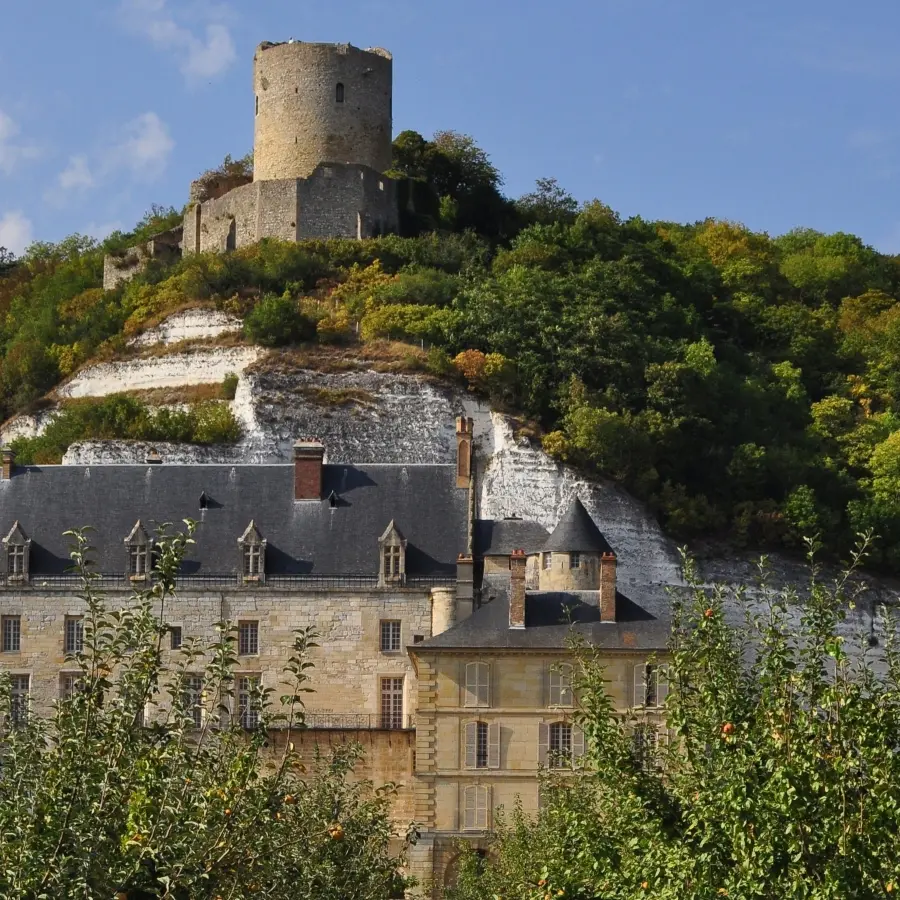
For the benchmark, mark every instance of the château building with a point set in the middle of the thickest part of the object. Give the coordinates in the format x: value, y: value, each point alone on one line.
x: 443, y: 638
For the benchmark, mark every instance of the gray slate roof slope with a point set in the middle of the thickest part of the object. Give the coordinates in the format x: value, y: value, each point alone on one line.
x: 550, y: 619
x: 302, y: 537
x: 499, y: 537
x: 577, y: 531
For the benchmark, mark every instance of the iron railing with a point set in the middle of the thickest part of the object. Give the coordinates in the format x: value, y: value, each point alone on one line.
x: 230, y: 581
x: 360, y: 721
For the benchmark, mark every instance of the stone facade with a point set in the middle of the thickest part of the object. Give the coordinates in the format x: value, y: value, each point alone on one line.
x: 335, y: 201
x: 320, y: 103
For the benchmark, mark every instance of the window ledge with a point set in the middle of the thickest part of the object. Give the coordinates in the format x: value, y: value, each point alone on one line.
x: 137, y: 578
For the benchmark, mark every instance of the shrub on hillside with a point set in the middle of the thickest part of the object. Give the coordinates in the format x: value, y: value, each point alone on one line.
x: 276, y: 321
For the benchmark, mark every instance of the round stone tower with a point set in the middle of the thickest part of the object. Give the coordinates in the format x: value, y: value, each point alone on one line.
x: 320, y: 103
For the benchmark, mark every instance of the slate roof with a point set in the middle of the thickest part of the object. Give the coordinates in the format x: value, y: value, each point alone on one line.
x: 499, y: 537
x: 576, y: 531
x: 550, y: 618
x: 337, y: 536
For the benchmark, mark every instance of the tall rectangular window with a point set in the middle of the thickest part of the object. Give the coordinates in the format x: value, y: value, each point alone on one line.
x: 547, y: 560
x: 18, y: 710
x: 392, y: 562
x: 175, y: 637
x: 248, y: 702
x: 15, y: 554
x: 248, y: 638
x: 12, y: 633
x: 69, y: 684
x: 477, y: 802
x: 74, y: 634
x: 192, y: 699
x: 560, y: 745
x: 138, y: 560
x: 478, y: 684
x: 392, y: 702
x: 574, y: 560
x: 390, y: 635
x: 253, y: 558
x: 561, y: 685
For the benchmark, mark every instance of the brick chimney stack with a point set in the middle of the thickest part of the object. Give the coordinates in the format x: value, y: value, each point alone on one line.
x: 517, y: 562
x: 464, y: 435
x: 9, y: 462
x: 608, y: 587
x: 309, y: 455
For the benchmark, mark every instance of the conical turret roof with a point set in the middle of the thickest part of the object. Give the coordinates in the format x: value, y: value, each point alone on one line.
x: 577, y: 532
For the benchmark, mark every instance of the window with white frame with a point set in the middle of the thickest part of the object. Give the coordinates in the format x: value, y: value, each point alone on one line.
x: 73, y: 641
x: 645, y: 745
x: 574, y: 560
x: 476, y: 807
x: 561, y: 685
x: 70, y: 683
x: 392, y: 552
x: 248, y: 701
x: 138, y: 545
x: 192, y: 699
x: 651, y: 685
x: 547, y: 560
x: 482, y: 745
x: 392, y: 702
x: 478, y: 684
x: 18, y: 699
x: 390, y: 635
x: 560, y: 744
x: 11, y: 627
x: 248, y: 638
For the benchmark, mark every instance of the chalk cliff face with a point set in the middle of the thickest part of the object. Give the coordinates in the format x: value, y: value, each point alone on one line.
x: 368, y: 416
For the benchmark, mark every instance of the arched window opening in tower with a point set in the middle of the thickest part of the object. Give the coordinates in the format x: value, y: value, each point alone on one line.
x: 339, y: 94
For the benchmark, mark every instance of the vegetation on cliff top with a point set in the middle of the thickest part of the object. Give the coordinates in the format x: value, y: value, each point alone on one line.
x: 745, y: 386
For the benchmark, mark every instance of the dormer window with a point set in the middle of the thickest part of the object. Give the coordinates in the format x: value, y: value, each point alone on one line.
x: 253, y: 554
x: 17, y: 546
x: 139, y: 546
x: 392, y: 551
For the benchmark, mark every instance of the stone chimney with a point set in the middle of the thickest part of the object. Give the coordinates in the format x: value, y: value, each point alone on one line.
x: 9, y: 462
x: 464, y: 452
x: 608, y: 587
x: 517, y: 562
x: 309, y: 455
x: 465, y: 586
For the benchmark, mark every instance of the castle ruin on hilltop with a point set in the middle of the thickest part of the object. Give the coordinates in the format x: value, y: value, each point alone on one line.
x: 322, y: 141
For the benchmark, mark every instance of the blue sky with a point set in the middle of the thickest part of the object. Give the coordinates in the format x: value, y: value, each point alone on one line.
x: 777, y: 113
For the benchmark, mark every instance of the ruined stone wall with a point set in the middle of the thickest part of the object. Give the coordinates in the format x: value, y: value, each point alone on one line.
x: 122, y: 267
x: 302, y: 120
x: 215, y: 219
x: 347, y: 201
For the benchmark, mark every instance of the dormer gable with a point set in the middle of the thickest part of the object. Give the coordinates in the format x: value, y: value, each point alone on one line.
x: 139, y: 550
x: 17, y: 551
x: 253, y: 553
x: 392, y: 556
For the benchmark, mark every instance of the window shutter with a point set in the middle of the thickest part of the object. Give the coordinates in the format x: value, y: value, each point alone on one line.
x: 640, y: 684
x: 483, y: 801
x: 577, y: 743
x: 469, y: 806
x: 566, y: 697
x: 662, y: 685
x: 555, y: 687
x: 484, y: 684
x: 471, y: 697
x: 493, y: 746
x: 471, y: 745
x: 543, y: 743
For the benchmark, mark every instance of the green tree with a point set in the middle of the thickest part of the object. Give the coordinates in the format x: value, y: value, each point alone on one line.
x: 276, y: 321
x: 141, y: 785
x: 547, y: 203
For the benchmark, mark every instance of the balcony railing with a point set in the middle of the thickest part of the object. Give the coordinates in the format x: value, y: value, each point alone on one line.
x: 229, y: 581
x: 360, y: 721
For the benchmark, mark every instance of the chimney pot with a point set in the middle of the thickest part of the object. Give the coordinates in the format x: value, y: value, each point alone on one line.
x: 309, y: 455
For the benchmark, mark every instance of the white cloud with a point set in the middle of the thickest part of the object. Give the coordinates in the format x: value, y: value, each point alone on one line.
x: 202, y: 53
x: 12, y: 151
x: 103, y: 230
x: 140, y: 149
x: 76, y: 175
x: 16, y: 232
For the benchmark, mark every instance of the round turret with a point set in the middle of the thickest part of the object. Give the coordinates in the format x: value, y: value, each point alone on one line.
x: 320, y: 103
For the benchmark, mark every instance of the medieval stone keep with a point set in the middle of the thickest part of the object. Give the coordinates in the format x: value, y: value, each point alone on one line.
x: 322, y: 142
x: 443, y: 637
